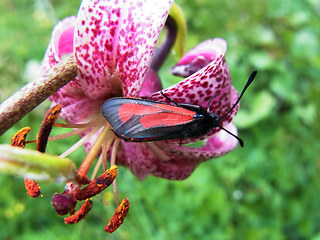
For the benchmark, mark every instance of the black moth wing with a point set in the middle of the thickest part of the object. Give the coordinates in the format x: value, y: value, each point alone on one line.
x: 132, y: 130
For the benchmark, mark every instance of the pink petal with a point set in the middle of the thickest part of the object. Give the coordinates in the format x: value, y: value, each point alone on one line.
x: 200, y: 56
x: 166, y: 160
x: 151, y: 84
x: 198, y: 88
x: 80, y: 111
x: 61, y: 43
x: 217, y: 145
x: 142, y: 161
x: 201, y: 86
x: 115, y: 41
x: 76, y: 106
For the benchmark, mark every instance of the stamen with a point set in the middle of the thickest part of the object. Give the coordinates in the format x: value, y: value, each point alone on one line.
x: 118, y: 217
x: 114, y: 151
x: 46, y: 127
x: 96, y: 168
x: 97, y: 121
x: 112, y: 163
x: 87, y: 162
x: 32, y: 187
x: 158, y: 151
x: 80, y: 128
x: 82, y: 179
x: 105, y: 149
x: 19, y: 140
x: 69, y: 134
x: 80, y: 142
x: 64, y: 135
x: 103, y: 157
x: 80, y: 214
x: 98, y: 185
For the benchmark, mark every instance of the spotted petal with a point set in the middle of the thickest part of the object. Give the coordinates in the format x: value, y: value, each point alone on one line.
x: 209, y: 81
x: 76, y: 106
x: 171, y: 161
x: 114, y: 44
x: 199, y: 57
x: 217, y: 145
x: 143, y: 161
x: 61, y: 43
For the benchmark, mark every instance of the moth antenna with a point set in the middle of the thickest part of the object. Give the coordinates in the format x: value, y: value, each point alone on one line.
x: 166, y: 97
x: 236, y: 137
x: 208, y: 107
x: 250, y: 80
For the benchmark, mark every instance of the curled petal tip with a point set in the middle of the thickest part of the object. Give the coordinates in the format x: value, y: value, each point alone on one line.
x: 200, y: 56
x: 61, y: 43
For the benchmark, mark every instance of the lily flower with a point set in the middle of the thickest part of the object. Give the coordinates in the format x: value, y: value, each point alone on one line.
x: 113, y: 43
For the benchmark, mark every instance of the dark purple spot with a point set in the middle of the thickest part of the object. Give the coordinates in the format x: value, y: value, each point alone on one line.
x: 204, y: 84
x: 192, y: 96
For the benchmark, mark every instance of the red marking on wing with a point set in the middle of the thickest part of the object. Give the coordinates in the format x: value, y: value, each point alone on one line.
x: 127, y: 110
x: 165, y: 119
x: 178, y: 110
x: 157, y: 114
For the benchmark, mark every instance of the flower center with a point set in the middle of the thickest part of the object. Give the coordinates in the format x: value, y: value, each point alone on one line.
x: 97, y: 128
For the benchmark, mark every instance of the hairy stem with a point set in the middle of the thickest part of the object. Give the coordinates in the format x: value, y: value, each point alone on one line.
x: 30, y: 96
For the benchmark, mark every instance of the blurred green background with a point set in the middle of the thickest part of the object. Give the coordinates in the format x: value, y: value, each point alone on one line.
x: 270, y: 189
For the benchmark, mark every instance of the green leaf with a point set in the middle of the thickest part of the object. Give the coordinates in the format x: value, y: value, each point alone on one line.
x: 35, y: 165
